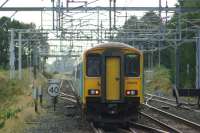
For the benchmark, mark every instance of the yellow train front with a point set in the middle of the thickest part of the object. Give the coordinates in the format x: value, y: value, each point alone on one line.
x: 112, y: 76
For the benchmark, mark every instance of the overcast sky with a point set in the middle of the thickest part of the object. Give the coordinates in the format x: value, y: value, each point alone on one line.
x: 102, y: 2
x: 35, y: 16
x: 28, y: 17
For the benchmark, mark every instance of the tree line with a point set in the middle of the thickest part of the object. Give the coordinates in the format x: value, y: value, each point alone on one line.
x: 186, y: 51
x: 5, y: 24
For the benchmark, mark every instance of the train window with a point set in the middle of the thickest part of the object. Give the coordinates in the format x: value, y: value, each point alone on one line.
x: 93, y: 65
x: 132, y: 65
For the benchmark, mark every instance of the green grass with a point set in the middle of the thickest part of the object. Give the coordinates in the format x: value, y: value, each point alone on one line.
x: 9, y: 89
x: 160, y: 81
x: 16, y: 103
x: 8, y: 113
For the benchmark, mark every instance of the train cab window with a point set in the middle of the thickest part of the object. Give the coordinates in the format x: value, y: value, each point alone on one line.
x: 93, y: 65
x: 132, y: 65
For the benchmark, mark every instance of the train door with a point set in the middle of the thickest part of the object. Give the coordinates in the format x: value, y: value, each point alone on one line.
x: 112, y: 78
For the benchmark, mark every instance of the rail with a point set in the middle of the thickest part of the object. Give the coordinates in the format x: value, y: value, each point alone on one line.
x: 185, y: 121
x: 147, y: 128
x: 96, y: 129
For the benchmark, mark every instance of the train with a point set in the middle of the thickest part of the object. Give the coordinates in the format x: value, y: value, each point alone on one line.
x: 109, y: 82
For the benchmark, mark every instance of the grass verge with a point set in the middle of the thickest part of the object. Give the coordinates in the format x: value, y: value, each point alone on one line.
x: 16, y: 103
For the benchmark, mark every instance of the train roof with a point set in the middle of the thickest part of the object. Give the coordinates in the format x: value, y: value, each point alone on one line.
x: 113, y: 45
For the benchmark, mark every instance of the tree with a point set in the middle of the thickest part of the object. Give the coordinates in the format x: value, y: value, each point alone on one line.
x: 138, y: 29
x: 6, y: 24
x: 187, y: 51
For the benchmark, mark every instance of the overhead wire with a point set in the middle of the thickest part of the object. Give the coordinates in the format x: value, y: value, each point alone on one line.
x: 4, y: 3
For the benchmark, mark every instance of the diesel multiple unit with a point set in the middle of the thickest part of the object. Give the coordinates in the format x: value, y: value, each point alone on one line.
x: 109, y: 81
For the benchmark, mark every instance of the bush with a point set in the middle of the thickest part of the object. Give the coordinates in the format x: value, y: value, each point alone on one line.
x: 160, y: 82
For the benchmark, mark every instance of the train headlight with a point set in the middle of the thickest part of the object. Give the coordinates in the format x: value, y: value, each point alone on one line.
x: 131, y: 92
x: 93, y: 92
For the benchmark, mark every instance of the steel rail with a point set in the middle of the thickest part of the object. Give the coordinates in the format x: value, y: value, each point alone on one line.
x: 120, y: 130
x: 157, y: 100
x: 96, y: 130
x: 62, y: 93
x: 150, y: 129
x: 61, y: 84
x: 161, y: 123
x: 175, y: 105
x: 171, y: 104
x: 165, y: 98
x: 132, y: 130
x: 185, y: 121
x: 69, y: 99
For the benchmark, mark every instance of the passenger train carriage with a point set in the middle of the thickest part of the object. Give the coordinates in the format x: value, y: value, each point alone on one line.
x: 109, y: 77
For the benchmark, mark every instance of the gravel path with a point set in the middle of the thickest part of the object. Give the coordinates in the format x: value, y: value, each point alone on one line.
x: 66, y: 118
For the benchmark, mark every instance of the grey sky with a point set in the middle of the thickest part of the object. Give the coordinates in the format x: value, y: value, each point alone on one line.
x: 35, y: 16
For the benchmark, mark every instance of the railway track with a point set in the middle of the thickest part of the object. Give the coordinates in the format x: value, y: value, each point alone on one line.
x: 66, y: 117
x: 130, y: 127
x: 67, y: 97
x: 113, y: 130
x: 160, y: 123
x: 171, y: 121
x: 96, y: 129
x: 138, y: 127
x: 171, y: 102
x: 163, y: 104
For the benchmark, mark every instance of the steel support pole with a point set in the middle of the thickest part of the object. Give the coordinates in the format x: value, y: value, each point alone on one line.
x: 177, y: 66
x: 30, y: 67
x: 179, y: 20
x: 59, y: 14
x: 20, y: 56
x: 62, y: 15
x: 97, y: 25
x: 152, y: 58
x: 101, y: 31
x: 198, y: 62
x: 149, y: 61
x: 114, y: 8
x: 12, y: 55
x: 159, y: 43
x: 53, y: 13
x: 35, y: 61
x: 110, y: 18
x: 41, y: 20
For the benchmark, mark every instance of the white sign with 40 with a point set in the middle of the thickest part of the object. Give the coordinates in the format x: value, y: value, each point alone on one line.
x: 53, y: 90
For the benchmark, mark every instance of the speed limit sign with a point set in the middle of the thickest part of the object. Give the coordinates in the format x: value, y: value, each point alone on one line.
x: 53, y: 90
